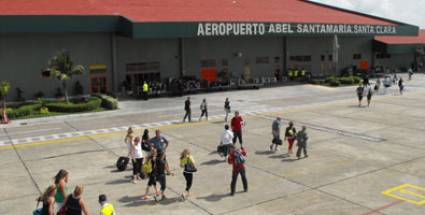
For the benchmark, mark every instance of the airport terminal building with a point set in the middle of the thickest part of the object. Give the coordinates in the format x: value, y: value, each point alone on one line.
x: 125, y: 42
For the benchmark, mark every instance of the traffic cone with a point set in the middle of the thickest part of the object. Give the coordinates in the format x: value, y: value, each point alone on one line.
x: 5, y: 119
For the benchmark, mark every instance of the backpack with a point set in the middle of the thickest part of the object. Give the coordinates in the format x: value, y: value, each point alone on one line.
x: 239, y: 158
x: 122, y: 163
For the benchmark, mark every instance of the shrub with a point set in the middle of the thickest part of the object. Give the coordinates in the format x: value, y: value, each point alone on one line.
x: 92, y: 104
x: 357, y: 80
x: 334, y: 83
x: 330, y: 79
x: 44, y: 110
x: 23, y: 111
x: 109, y: 102
x: 347, y: 80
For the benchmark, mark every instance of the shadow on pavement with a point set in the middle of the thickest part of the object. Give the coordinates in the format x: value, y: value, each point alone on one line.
x: 118, y: 181
x: 290, y: 160
x: 213, y: 162
x: 267, y: 152
x: 137, y: 201
x: 279, y: 156
x: 214, y: 197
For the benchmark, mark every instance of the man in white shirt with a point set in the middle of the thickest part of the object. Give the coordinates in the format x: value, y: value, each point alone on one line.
x: 226, y: 141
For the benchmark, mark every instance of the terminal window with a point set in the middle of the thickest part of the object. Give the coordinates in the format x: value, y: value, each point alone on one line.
x: 262, y: 60
x: 300, y: 58
x: 357, y: 56
x: 383, y: 55
x: 208, y: 63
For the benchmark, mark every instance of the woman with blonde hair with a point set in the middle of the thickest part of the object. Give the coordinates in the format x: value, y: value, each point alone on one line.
x: 136, y: 155
x: 128, y: 139
x: 74, y: 204
x: 48, y: 200
x: 188, y: 164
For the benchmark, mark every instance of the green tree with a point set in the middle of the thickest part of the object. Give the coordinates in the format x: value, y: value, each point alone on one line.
x: 4, y: 89
x: 62, y: 67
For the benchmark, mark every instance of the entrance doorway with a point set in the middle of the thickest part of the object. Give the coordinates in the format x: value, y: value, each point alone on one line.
x: 98, y: 83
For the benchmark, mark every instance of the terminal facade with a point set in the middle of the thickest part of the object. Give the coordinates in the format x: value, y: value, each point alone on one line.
x: 118, y: 46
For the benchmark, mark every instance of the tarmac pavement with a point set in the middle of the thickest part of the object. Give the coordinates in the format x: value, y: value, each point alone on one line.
x: 355, y: 154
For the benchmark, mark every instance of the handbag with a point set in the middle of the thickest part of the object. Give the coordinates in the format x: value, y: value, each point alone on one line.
x: 190, y: 167
x: 37, y: 210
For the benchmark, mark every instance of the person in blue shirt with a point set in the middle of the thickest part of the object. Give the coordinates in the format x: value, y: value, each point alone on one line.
x: 159, y: 142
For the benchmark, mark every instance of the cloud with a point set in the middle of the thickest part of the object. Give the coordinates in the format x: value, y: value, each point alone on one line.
x: 407, y: 11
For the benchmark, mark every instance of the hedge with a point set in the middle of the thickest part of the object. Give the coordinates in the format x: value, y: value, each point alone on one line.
x: 334, y: 83
x: 109, y: 102
x: 347, y: 80
x: 93, y: 104
x: 23, y: 111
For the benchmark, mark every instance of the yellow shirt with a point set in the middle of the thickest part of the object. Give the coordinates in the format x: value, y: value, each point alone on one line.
x: 107, y: 209
x: 186, y: 160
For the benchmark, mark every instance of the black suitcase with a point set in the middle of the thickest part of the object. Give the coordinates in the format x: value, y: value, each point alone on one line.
x: 122, y: 163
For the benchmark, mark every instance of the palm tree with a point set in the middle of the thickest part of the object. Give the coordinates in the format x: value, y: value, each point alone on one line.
x: 62, y: 67
x: 4, y: 89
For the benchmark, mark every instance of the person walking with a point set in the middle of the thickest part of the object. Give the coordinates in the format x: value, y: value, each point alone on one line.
x: 204, y: 109
x: 75, y: 204
x: 136, y: 156
x: 290, y: 134
x: 237, y: 124
x: 237, y: 158
x: 148, y: 168
x: 366, y: 89
x: 145, y: 90
x: 410, y: 73
x: 105, y: 207
x: 48, y: 201
x: 188, y: 110
x: 226, y: 108
x: 159, y: 142
x: 378, y: 85
x: 188, y: 164
x: 61, y: 182
x: 369, y: 96
x: 401, y: 86
x: 225, y: 142
x: 161, y: 169
x: 302, y: 138
x: 359, y: 92
x: 276, y: 134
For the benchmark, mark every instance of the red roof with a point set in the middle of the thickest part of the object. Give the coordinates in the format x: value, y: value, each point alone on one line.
x: 295, y: 11
x: 420, y: 39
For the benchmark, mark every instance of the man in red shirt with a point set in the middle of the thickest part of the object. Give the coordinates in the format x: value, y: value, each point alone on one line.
x: 237, y: 123
x: 237, y: 159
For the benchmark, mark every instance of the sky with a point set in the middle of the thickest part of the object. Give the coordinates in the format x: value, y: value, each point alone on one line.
x: 407, y: 11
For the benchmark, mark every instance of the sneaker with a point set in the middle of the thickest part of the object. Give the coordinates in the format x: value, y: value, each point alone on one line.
x: 183, y: 197
x: 271, y: 147
x: 306, y: 156
x: 163, y: 198
x: 145, y: 197
x: 155, y: 197
x: 134, y: 181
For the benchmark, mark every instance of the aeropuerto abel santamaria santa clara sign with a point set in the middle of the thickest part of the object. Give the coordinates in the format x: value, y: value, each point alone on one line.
x: 260, y: 29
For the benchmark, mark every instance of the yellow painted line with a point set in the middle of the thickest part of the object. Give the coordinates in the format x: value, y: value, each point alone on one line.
x: 412, y: 194
x: 402, y: 189
x: 102, y: 135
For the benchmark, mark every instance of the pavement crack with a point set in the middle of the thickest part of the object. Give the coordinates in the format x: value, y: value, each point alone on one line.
x: 23, y: 162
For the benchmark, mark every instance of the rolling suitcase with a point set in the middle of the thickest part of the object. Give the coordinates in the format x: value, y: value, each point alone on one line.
x: 122, y: 163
